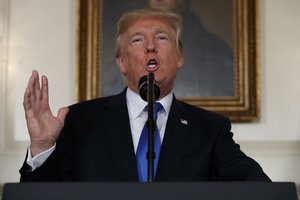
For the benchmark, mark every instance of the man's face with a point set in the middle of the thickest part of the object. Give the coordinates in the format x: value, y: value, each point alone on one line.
x: 149, y: 45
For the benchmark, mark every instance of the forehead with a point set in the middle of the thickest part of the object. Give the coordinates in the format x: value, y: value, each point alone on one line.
x: 146, y: 24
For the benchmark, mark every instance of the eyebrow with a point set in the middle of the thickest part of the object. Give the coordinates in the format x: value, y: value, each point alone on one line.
x: 136, y: 34
x: 158, y: 31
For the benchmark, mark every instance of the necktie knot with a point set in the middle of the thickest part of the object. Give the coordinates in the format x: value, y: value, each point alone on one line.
x: 157, y: 107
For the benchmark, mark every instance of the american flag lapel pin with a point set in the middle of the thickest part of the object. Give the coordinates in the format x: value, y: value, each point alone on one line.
x: 183, y: 121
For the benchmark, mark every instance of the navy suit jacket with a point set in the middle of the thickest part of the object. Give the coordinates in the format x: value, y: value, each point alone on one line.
x: 96, y: 145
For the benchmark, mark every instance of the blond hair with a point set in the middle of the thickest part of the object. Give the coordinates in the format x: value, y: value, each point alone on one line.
x: 174, y: 20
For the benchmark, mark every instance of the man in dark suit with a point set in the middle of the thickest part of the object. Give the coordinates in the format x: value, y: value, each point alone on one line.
x: 98, y: 140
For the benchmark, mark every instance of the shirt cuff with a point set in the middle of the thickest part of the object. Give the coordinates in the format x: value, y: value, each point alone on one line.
x: 38, y: 160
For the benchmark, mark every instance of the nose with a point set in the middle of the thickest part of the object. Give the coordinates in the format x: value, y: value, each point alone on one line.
x: 150, y: 48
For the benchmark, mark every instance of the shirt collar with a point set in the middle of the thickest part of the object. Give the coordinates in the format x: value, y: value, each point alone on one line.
x: 136, y: 104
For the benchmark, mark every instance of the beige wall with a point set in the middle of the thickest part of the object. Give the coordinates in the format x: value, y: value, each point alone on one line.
x: 275, y: 139
x: 41, y: 34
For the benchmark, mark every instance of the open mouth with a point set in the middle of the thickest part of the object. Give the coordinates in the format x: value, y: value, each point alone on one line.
x: 152, y: 63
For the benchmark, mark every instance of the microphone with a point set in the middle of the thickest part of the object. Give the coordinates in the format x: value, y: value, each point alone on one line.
x: 144, y: 86
x: 149, y: 92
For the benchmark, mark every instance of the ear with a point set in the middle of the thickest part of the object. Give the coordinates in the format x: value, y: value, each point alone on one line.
x: 180, y: 61
x: 121, y: 63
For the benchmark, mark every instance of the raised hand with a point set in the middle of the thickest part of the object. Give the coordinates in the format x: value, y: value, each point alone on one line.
x: 43, y: 127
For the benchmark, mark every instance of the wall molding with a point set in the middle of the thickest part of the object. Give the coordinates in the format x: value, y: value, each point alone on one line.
x: 279, y: 159
x: 4, y: 17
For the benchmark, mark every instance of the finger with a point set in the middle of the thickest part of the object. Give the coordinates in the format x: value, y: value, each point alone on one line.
x: 26, y: 100
x: 35, y: 75
x: 45, y: 89
x: 37, y: 87
x: 62, y: 113
x: 31, y: 86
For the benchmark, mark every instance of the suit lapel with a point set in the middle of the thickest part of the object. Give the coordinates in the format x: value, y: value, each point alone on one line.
x: 119, y: 137
x: 174, y: 143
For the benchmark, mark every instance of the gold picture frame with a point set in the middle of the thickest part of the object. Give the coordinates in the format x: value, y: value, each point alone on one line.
x: 243, y: 106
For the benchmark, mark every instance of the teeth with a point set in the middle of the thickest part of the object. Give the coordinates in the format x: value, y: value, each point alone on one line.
x: 151, y: 66
x: 152, y: 63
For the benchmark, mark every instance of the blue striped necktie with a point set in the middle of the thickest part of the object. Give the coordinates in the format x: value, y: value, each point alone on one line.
x: 141, y: 154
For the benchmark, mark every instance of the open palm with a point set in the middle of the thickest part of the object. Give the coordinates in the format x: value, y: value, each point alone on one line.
x: 43, y: 127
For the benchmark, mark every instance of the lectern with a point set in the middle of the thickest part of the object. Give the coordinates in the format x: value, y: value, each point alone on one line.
x: 151, y: 191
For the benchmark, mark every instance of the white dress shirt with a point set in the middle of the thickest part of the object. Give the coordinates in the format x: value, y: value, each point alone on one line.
x: 137, y: 118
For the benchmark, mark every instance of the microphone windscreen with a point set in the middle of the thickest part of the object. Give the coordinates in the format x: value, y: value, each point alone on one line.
x: 143, y: 88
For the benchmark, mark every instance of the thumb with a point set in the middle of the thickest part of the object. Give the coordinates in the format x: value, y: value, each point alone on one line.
x: 62, y: 113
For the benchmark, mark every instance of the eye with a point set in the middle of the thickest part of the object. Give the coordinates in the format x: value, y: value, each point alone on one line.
x: 136, y: 39
x: 162, y: 37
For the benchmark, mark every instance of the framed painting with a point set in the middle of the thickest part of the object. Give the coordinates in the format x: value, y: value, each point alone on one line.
x: 220, y: 40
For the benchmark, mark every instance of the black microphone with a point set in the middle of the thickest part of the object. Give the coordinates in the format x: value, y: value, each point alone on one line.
x: 144, y: 85
x: 149, y: 92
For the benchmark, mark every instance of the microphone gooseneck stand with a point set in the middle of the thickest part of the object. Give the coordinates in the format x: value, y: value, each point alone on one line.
x: 151, y: 128
x: 149, y: 91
